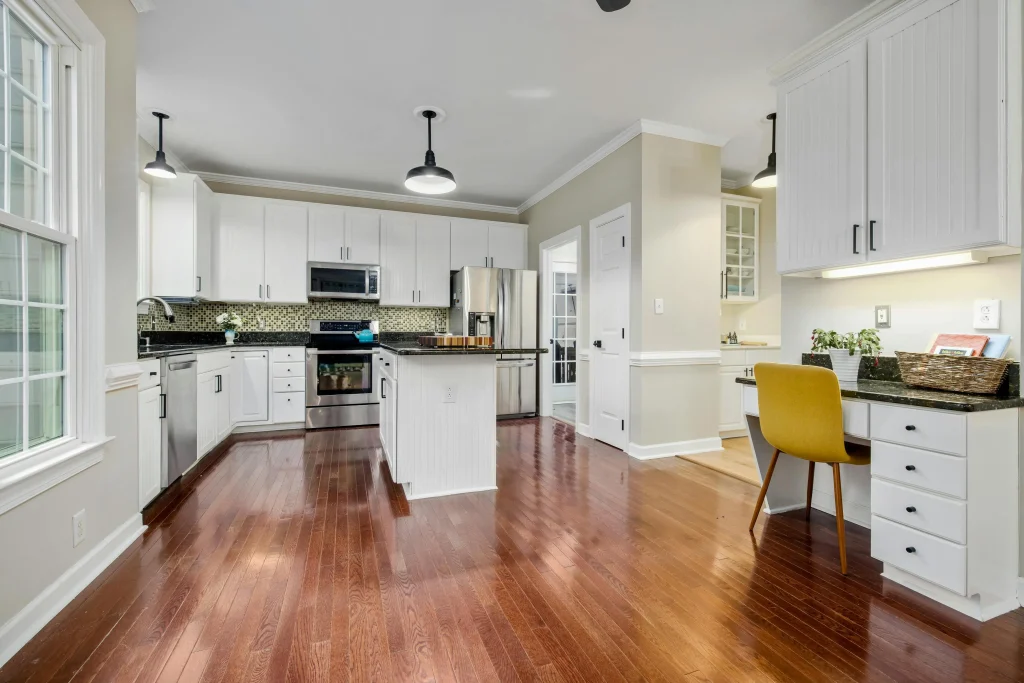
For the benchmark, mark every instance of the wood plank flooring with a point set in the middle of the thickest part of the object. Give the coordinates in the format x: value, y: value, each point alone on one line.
x: 296, y: 559
x: 735, y: 459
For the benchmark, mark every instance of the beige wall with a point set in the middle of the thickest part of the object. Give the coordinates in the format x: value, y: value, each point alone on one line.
x: 40, y: 529
x: 609, y: 184
x: 764, y: 318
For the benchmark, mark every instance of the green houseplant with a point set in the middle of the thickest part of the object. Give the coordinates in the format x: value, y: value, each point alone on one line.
x: 846, y: 350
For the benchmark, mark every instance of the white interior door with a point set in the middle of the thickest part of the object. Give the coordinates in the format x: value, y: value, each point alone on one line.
x: 286, y: 227
x: 362, y: 237
x: 326, y: 233
x: 239, y: 253
x: 609, y: 323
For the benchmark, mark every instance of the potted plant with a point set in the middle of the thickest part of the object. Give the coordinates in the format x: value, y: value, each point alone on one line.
x: 230, y: 322
x: 846, y: 350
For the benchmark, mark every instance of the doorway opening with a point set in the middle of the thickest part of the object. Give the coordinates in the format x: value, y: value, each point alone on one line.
x: 559, y: 276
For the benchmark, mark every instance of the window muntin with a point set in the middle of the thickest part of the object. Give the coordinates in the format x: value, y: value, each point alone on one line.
x: 563, y: 328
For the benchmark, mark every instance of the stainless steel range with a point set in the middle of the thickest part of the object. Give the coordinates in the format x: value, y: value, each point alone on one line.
x: 340, y: 386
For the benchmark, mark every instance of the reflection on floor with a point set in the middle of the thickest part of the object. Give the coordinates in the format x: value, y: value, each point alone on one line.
x: 737, y: 460
x: 566, y: 412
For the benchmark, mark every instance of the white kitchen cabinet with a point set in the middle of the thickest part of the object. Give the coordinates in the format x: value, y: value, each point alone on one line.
x: 362, y: 237
x: 433, y: 256
x: 487, y: 244
x: 290, y: 407
x: 822, y: 143
x: 239, y: 248
x: 151, y: 403
x: 344, y: 235
x: 206, y: 409
x: 223, y: 395
x: 388, y: 369
x: 506, y: 243
x: 730, y: 415
x: 740, y: 255
x: 415, y: 258
x: 285, y: 253
x: 182, y: 212
x: 250, y: 386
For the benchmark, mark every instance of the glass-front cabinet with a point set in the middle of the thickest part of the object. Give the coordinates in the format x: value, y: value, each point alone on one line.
x: 740, y: 255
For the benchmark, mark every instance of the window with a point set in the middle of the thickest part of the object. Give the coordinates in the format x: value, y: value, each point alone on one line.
x: 563, y: 327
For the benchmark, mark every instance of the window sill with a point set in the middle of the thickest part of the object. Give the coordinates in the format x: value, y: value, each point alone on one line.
x: 27, y: 478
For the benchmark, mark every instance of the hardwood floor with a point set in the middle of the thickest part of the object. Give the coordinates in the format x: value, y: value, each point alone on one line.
x: 735, y: 459
x: 296, y: 559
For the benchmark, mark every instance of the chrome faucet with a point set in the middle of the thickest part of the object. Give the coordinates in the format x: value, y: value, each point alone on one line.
x: 168, y: 313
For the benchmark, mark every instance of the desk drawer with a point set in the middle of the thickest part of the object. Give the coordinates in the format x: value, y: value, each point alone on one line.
x: 927, y: 470
x: 283, y: 385
x: 930, y: 557
x: 290, y: 370
x: 855, y: 418
x: 931, y: 429
x: 928, y: 512
x: 750, y: 400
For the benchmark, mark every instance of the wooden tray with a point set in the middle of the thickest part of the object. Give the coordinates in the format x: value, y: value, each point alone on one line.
x: 455, y: 341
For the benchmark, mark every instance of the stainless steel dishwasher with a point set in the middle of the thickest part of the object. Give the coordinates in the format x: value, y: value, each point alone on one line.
x: 181, y: 447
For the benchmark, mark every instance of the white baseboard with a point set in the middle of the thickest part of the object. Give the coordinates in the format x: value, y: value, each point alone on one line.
x: 785, y: 508
x: 972, y: 606
x: 252, y: 429
x: 583, y: 430
x: 670, y: 450
x: 55, y: 597
x: 1020, y: 591
x: 733, y: 433
x: 454, y: 492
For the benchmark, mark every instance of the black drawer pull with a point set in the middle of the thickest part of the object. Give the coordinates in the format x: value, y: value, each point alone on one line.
x: 911, y: 468
x: 911, y: 508
x: 911, y: 549
x: 911, y: 428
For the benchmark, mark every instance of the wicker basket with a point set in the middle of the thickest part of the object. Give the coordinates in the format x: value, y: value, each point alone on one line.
x: 964, y: 374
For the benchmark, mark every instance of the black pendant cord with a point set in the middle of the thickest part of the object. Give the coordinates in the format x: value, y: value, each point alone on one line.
x: 429, y: 159
x: 160, y: 134
x: 773, y: 117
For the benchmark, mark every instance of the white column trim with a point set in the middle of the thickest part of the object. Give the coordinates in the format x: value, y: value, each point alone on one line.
x: 123, y: 375
x: 659, y: 358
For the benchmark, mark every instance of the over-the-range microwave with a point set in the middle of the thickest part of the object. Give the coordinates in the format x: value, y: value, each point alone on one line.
x: 342, y: 281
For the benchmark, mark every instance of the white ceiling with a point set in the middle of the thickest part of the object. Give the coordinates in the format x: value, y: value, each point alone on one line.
x: 322, y: 91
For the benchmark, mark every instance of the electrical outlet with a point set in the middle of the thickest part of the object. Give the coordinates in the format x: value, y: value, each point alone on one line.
x: 78, y: 527
x: 659, y: 306
x: 986, y: 314
x: 743, y: 324
x: 449, y: 394
x: 883, y: 317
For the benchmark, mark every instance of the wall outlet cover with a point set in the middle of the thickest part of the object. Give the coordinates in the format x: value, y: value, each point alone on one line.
x: 986, y: 314
x: 883, y: 317
x: 659, y: 306
x: 78, y: 527
x: 449, y: 394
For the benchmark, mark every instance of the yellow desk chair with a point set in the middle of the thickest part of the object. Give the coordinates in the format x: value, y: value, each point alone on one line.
x: 801, y: 414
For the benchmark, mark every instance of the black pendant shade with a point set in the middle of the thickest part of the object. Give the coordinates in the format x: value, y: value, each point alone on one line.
x: 159, y: 166
x: 767, y: 177
x: 430, y: 178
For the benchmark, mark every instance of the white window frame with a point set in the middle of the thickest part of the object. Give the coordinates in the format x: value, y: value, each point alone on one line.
x: 77, y: 201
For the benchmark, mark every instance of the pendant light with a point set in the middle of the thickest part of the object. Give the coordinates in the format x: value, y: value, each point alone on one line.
x: 429, y: 178
x: 159, y: 166
x: 767, y: 177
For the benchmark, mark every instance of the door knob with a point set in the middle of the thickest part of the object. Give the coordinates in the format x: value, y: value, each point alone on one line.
x: 597, y: 343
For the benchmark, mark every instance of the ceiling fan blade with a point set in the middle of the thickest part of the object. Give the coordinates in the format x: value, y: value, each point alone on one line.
x: 612, y: 5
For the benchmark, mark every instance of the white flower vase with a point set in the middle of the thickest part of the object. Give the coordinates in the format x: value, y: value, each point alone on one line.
x: 845, y: 366
x: 229, y: 337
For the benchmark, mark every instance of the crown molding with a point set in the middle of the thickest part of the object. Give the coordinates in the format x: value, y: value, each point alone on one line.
x: 348, y: 192
x: 668, y: 130
x: 144, y: 5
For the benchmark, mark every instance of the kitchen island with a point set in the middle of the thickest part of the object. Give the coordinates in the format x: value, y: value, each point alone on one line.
x: 438, y: 416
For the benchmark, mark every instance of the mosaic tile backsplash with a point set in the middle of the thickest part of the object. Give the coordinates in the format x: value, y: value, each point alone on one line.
x: 200, y: 317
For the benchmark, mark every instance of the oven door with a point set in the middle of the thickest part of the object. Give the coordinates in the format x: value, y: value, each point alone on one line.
x: 335, y: 281
x: 340, y: 377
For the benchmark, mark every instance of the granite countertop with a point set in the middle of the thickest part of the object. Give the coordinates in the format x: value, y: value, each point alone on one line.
x: 903, y: 394
x: 164, y: 344
x: 413, y: 348
x: 163, y: 350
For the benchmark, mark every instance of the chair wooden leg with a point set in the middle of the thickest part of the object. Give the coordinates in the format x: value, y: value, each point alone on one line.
x: 810, y: 487
x: 764, y: 489
x: 840, y: 522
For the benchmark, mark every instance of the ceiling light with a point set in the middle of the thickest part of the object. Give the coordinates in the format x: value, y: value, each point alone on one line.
x: 612, y: 5
x: 767, y: 177
x: 159, y: 166
x: 429, y: 178
x: 963, y: 258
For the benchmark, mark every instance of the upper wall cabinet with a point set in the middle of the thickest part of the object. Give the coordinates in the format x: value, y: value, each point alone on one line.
x: 285, y: 226
x: 740, y: 255
x: 486, y: 244
x: 896, y: 146
x: 180, y: 242
x: 415, y: 257
x: 340, y: 234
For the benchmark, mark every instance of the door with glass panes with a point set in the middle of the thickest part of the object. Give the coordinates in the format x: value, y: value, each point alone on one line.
x: 563, y: 336
x: 739, y: 274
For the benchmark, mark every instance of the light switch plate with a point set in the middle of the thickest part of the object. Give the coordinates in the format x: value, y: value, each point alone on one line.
x: 986, y: 314
x: 78, y: 528
x: 659, y: 306
x: 883, y: 317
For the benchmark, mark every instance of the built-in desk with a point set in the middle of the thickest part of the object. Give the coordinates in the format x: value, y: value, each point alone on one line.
x: 941, y: 493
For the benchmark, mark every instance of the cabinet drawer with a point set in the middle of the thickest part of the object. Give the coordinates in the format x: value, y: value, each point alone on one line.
x: 290, y: 370
x: 930, y: 557
x: 855, y: 418
x: 924, y: 511
x: 288, y: 354
x: 284, y: 385
x: 290, y: 407
x: 931, y: 429
x: 150, y: 376
x: 212, y: 360
x: 924, y: 469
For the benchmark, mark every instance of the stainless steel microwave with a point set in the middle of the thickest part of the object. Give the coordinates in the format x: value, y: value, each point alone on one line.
x: 342, y: 281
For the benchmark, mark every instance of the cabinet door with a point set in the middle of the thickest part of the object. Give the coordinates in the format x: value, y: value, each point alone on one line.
x: 206, y: 408
x: 821, y: 165
x: 250, y: 386
x: 396, y: 473
x: 204, y: 212
x: 730, y: 411
x: 150, y: 444
x: 739, y: 252
x: 469, y: 244
x: 223, y: 396
x: 326, y: 233
x: 173, y: 237
x: 398, y: 260
x: 934, y: 131
x: 362, y: 237
x: 238, y: 257
x: 506, y: 244
x: 433, y: 259
x: 285, y: 230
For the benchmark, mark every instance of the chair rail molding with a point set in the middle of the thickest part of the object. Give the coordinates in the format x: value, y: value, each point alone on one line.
x: 660, y: 358
x: 123, y: 375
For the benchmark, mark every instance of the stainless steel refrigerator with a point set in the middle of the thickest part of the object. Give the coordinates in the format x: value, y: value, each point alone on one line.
x: 501, y: 303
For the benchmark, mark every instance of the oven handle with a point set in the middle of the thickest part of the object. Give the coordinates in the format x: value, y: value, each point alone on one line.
x: 341, y: 352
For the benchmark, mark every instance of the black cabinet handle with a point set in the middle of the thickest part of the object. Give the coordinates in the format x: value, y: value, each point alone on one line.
x: 911, y: 468
x: 911, y: 428
x: 911, y: 508
x: 871, y: 235
x: 598, y: 343
x: 855, y: 229
x: 382, y: 394
x: 722, y: 293
x: 163, y: 406
x: 911, y: 549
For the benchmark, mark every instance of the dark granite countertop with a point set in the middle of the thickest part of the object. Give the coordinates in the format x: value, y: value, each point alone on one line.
x: 903, y: 394
x: 176, y: 343
x: 413, y: 348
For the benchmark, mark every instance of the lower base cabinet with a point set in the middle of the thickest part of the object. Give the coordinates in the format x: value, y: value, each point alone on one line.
x: 290, y: 406
x: 250, y: 390
x: 213, y: 408
x: 151, y: 404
